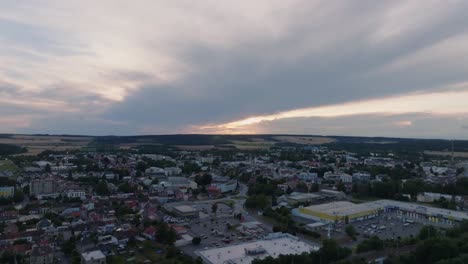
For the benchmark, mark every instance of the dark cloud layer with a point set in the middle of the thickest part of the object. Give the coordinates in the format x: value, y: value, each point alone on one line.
x: 310, y: 54
x: 267, y: 76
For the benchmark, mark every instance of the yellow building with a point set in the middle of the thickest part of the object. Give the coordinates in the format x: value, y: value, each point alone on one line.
x: 341, y: 211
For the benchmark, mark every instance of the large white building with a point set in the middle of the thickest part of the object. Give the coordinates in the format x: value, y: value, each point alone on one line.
x: 76, y: 194
x: 428, y: 197
x: 339, y: 176
x: 43, y: 187
x: 344, y: 212
x: 273, y: 245
x: 93, y: 257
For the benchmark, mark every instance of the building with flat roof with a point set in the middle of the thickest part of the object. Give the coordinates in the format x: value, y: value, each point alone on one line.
x: 341, y: 211
x: 344, y: 211
x: 43, y: 187
x: 185, y: 211
x: 273, y: 245
x: 296, y: 198
x: 93, y: 257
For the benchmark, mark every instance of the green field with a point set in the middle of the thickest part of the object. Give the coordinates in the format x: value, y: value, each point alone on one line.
x: 8, y: 165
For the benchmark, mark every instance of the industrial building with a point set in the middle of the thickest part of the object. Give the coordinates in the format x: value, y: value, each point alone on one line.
x: 185, y: 211
x: 346, y: 212
x: 341, y: 211
x: 273, y: 245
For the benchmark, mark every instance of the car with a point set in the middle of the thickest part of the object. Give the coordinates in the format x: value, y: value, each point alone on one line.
x: 204, y: 237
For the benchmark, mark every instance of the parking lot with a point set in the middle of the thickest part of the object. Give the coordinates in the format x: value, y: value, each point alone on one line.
x: 388, y: 226
x: 385, y: 226
x: 217, y: 230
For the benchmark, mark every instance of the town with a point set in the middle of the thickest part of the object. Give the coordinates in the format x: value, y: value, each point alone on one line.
x: 168, y: 204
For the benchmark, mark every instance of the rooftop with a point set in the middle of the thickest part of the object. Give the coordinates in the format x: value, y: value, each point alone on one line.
x: 277, y: 244
x: 185, y: 208
x: 92, y: 255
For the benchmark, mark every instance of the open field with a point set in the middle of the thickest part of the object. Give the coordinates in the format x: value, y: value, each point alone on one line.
x: 241, y: 144
x: 195, y: 147
x: 305, y: 140
x: 37, y: 144
x: 7, y: 165
x: 447, y: 153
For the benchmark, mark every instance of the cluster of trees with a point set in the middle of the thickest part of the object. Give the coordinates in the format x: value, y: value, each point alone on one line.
x: 101, y: 188
x: 260, y: 201
x: 8, y: 149
x: 190, y: 168
x: 282, y: 215
x: 394, y: 189
x: 432, y: 246
x: 203, y: 180
x: 165, y: 234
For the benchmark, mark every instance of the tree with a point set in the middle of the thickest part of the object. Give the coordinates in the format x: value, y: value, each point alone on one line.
x: 330, y: 251
x: 125, y: 187
x: 47, y: 168
x: 302, y: 187
x: 350, y: 231
x: 18, y: 196
x: 172, y: 252
x: 165, y: 234
x: 204, y: 179
x: 435, y: 249
x: 315, y: 187
x: 196, y: 241
x: 427, y: 231
x: 101, y: 188
x: 141, y: 166
x: 257, y: 202
x: 68, y: 246
x: 341, y: 187
x: 214, y: 208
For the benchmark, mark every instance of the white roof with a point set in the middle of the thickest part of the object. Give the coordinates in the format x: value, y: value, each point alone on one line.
x: 283, y: 244
x: 92, y: 255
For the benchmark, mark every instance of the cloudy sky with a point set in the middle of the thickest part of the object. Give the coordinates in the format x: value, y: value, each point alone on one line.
x: 369, y: 68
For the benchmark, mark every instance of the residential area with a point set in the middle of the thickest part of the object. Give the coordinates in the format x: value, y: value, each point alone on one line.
x: 175, y: 205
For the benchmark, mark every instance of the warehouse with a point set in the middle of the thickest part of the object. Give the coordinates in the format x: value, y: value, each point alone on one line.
x: 341, y: 211
x: 273, y: 245
x: 346, y: 212
x: 185, y: 211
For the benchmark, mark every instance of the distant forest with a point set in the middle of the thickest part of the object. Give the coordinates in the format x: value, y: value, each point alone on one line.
x: 354, y: 144
x: 7, y: 149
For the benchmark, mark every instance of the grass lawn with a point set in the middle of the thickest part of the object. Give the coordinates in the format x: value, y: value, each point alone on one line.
x: 8, y: 165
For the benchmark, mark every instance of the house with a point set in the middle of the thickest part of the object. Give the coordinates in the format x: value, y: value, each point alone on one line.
x: 44, y: 224
x: 11, y: 228
x: 155, y: 172
x: 361, y: 177
x: 85, y: 245
x: 428, y: 197
x: 300, y: 198
x: 93, y: 257
x: 308, y: 176
x: 42, y: 255
x: 337, y: 177
x: 76, y: 194
x: 170, y: 171
x: 150, y: 233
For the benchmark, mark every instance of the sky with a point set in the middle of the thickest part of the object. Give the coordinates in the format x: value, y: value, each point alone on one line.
x: 113, y: 67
